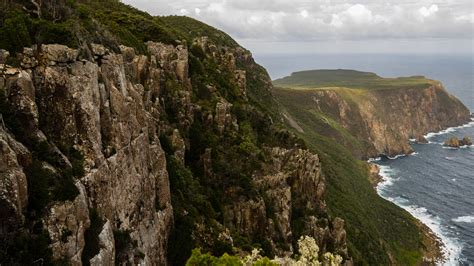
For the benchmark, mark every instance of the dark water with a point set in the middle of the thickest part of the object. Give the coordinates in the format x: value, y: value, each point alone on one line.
x: 435, y: 184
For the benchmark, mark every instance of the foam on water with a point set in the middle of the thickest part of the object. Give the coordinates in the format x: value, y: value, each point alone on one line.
x: 451, y: 246
x: 396, y: 156
x: 449, y: 130
x: 370, y: 160
x: 464, y: 219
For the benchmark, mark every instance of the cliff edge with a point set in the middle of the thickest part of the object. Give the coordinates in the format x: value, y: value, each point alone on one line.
x: 371, y: 115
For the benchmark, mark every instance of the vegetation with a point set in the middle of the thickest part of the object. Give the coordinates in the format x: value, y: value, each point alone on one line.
x: 312, y: 79
x: 308, y: 256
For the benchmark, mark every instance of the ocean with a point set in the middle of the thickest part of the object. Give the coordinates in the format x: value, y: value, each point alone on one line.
x: 435, y: 183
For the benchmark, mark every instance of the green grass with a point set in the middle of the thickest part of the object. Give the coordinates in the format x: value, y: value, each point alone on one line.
x: 348, y: 79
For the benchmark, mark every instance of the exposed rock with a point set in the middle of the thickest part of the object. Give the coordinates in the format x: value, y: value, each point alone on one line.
x: 421, y: 139
x: 4, y: 54
x: 106, y: 254
x: 13, y: 185
x: 291, y: 181
x: 374, y: 174
x: 111, y: 109
x: 101, y: 112
x: 99, y: 50
x: 223, y: 116
x: 454, y: 142
x: 384, y: 120
x: 66, y: 223
x: 28, y: 58
x: 172, y: 59
x: 241, y: 79
x: 57, y: 53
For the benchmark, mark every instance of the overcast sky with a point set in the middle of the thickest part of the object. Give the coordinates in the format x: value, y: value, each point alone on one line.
x: 333, y: 25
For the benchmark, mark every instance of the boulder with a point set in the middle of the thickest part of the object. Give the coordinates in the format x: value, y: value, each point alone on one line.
x: 454, y: 142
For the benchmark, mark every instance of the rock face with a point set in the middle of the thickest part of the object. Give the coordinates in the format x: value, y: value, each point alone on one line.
x: 13, y: 184
x: 383, y: 120
x: 115, y: 110
x: 106, y: 114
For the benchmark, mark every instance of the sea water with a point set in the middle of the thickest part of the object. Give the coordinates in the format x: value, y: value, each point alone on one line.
x: 435, y: 184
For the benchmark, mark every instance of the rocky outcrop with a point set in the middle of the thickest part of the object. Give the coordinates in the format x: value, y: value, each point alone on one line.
x: 106, y: 254
x: 66, y: 223
x: 454, y: 142
x: 293, y: 189
x: 102, y: 111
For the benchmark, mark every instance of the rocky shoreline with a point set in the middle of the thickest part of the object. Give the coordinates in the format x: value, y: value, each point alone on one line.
x: 433, y: 251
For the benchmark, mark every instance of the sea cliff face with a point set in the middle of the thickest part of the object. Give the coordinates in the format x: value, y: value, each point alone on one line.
x: 382, y: 120
x: 387, y: 119
x: 105, y: 119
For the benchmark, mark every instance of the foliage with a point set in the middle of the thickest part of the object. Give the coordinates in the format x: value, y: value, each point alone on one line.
x: 123, y: 244
x: 308, y: 256
x: 27, y: 248
x: 46, y: 186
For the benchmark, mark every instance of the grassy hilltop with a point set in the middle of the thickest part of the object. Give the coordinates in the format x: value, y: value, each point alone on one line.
x: 343, y: 78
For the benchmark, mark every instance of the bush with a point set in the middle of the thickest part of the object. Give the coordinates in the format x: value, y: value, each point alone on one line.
x: 45, y: 186
x: 27, y: 248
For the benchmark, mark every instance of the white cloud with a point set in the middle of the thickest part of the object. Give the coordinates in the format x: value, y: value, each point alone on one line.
x: 304, y: 13
x: 309, y: 20
x: 358, y: 14
x: 426, y: 12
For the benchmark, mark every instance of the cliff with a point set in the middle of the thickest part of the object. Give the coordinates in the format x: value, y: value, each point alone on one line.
x: 132, y: 139
x: 113, y: 154
x: 370, y: 114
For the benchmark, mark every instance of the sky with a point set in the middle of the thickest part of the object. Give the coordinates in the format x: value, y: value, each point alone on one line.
x: 326, y: 26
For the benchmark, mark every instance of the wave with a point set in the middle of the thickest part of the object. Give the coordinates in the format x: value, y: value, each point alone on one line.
x: 464, y: 219
x: 449, y: 130
x: 396, y: 156
x: 451, y: 247
x: 387, y: 173
x: 371, y: 160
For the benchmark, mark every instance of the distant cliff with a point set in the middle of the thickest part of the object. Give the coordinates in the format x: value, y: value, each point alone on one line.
x: 367, y: 113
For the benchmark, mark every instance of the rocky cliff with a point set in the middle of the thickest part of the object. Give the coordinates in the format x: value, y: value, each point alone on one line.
x: 381, y: 114
x: 112, y: 154
x: 132, y: 139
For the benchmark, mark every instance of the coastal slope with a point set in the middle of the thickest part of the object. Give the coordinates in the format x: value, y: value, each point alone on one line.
x: 369, y: 114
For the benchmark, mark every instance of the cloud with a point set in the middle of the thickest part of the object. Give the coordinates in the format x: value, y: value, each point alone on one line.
x: 309, y: 20
x: 426, y: 12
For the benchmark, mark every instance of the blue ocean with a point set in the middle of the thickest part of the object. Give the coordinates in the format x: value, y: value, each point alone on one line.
x: 436, y: 183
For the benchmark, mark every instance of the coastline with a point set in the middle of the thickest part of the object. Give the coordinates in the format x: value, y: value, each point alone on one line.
x: 440, y: 249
